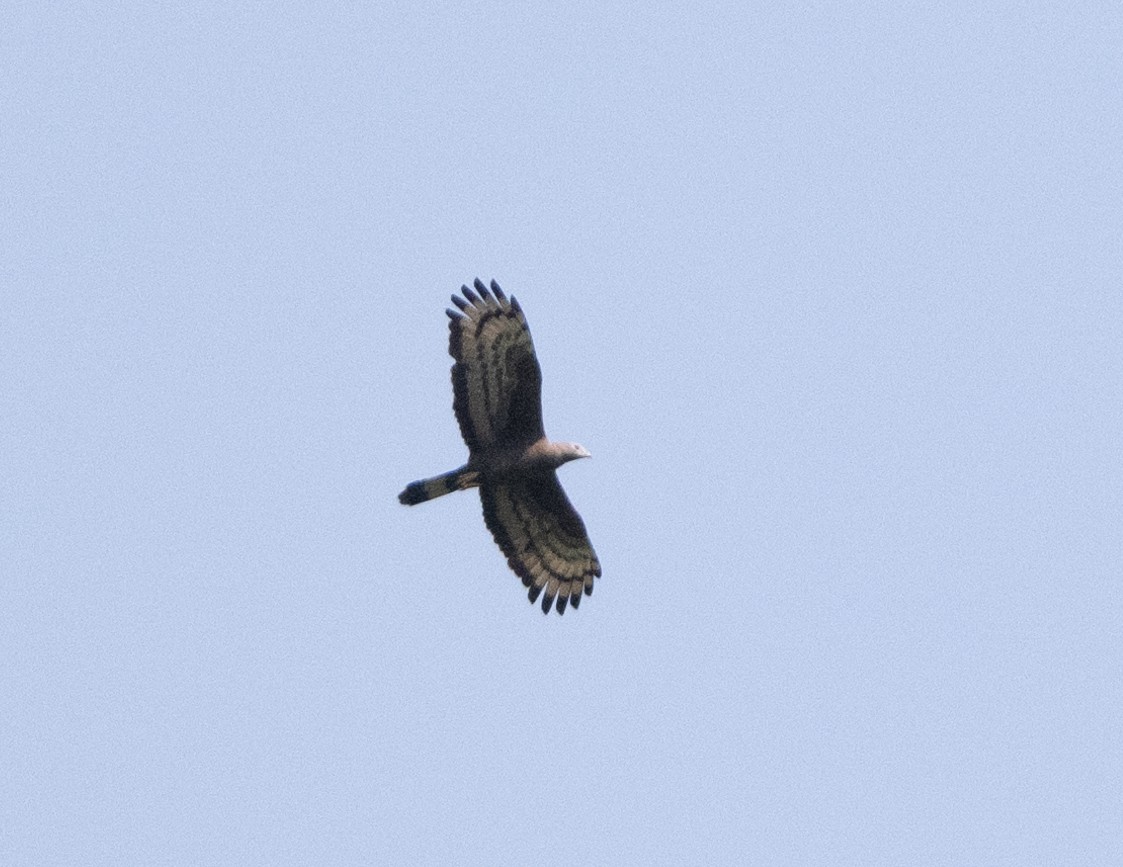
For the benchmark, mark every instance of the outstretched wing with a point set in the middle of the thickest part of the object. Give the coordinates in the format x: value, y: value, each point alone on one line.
x: 496, y: 380
x: 542, y: 536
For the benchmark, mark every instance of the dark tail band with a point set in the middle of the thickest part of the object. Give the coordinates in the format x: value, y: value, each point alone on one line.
x: 438, y: 486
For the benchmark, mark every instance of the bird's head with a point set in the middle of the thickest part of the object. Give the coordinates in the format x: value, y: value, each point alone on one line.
x: 554, y: 454
x: 575, y: 451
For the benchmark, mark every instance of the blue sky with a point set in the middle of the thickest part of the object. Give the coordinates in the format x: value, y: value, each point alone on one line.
x: 833, y: 295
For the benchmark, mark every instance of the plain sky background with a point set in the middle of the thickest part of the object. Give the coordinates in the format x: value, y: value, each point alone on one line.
x: 833, y: 293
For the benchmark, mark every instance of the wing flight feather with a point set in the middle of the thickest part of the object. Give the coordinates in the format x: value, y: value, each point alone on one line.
x: 496, y: 380
x: 543, y: 538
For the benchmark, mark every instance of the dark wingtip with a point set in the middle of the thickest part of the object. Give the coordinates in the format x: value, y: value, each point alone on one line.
x: 562, y: 600
x: 459, y: 302
x: 532, y: 593
x: 547, y: 603
x: 469, y: 294
x: 498, y: 292
x: 454, y: 315
x: 480, y: 287
x: 575, y: 600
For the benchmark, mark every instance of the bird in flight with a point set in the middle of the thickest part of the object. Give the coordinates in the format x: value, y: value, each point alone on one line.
x: 497, y: 398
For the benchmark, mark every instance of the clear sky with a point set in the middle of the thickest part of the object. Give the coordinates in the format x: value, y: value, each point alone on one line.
x: 833, y: 293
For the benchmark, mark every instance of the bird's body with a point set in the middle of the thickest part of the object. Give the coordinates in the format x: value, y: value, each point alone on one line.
x: 494, y: 465
x: 496, y: 383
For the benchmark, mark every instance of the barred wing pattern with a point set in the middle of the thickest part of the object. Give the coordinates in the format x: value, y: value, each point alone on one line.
x: 496, y: 380
x: 544, y: 538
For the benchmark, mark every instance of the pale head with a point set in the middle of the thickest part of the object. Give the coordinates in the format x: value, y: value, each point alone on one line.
x: 577, y: 451
x: 553, y: 454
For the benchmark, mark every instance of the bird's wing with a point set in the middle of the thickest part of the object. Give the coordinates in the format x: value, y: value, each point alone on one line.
x: 542, y: 536
x: 496, y: 380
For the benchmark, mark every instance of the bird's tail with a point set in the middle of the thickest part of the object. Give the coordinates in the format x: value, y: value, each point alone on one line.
x: 438, y: 486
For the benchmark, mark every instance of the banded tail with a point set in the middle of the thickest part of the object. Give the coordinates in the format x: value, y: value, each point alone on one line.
x: 438, y: 486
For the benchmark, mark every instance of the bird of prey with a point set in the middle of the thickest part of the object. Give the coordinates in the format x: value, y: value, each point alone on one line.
x: 496, y: 387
